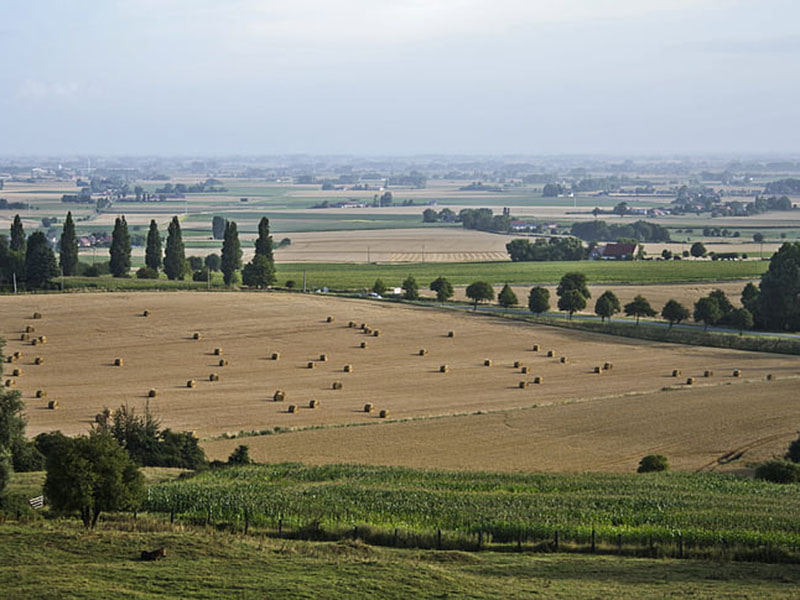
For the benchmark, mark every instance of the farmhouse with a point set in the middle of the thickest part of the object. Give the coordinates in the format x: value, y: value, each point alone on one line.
x: 615, y: 251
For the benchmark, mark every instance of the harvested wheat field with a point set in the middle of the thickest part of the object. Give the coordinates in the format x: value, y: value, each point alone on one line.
x: 699, y: 429
x: 236, y: 377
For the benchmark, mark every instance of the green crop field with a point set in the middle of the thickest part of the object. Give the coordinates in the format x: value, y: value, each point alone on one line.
x: 702, y: 511
x: 355, y: 276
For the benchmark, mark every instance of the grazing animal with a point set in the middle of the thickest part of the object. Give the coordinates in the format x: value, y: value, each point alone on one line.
x: 157, y: 554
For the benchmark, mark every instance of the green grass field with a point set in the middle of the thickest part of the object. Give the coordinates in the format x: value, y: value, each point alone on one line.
x: 356, y: 276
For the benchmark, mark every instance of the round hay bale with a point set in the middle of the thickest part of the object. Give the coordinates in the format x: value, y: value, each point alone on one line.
x: 535, y: 348
x: 538, y: 379
x: 52, y: 405
x: 34, y: 342
x: 152, y: 393
x: 422, y: 351
x: 369, y: 407
x: 217, y: 351
x: 551, y: 353
x: 30, y: 329
x: 351, y: 324
x: 376, y: 333
x: 196, y: 335
x: 41, y: 394
x: 223, y: 362
x: 292, y: 408
x: 38, y: 360
x: 9, y: 383
x: 24, y: 337
x: 384, y: 414
x: 37, y: 315
x: 213, y: 377
x: 770, y: 377
x: 487, y: 362
x: 563, y: 360
x: 313, y: 403
x: 348, y: 368
x: 323, y: 357
x: 337, y: 385
x: 443, y: 369
x: 517, y: 364
x: 17, y: 372
x: 598, y: 369
x: 690, y: 381
x: 608, y: 366
x: 676, y: 372
x: 310, y: 364
x: 737, y: 373
x: 363, y: 344
x: 190, y: 383
x: 524, y: 370
x: 118, y: 362
x: 10, y: 359
x: 279, y: 396
x: 276, y: 355
x: 708, y: 373
x: 42, y: 339
x: 523, y: 385
x: 367, y: 331
x: 17, y: 354
x: 363, y: 326
x: 146, y: 313
x: 451, y: 334
x: 330, y: 319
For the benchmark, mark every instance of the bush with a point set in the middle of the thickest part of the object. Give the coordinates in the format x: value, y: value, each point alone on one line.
x: 146, y: 273
x: 26, y: 457
x: 92, y: 271
x: 291, y: 284
x: 653, y: 463
x: 200, y: 274
x: 778, y: 471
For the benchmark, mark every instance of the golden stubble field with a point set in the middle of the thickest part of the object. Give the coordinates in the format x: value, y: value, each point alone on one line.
x: 86, y: 332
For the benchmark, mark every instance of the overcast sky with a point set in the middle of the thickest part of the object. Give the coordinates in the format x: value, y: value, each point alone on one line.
x: 399, y: 76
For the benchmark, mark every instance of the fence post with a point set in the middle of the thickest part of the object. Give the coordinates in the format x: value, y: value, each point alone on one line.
x: 594, y: 540
x: 680, y: 545
x: 439, y: 539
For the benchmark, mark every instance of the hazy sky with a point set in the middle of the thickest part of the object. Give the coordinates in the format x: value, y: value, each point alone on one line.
x: 399, y: 76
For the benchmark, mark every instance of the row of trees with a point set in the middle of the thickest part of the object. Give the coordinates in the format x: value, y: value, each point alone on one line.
x: 28, y: 260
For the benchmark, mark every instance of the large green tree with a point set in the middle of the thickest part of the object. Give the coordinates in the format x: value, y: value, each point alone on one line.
x: 91, y: 475
x: 571, y: 301
x: 741, y: 319
x: 218, y: 227
x: 507, y: 298
x: 539, y: 300
x: 639, y: 307
x: 40, y: 262
x: 120, y: 264
x: 607, y: 305
x: 778, y: 302
x: 68, y: 247
x: 12, y: 428
x: 443, y: 289
x: 264, y: 240
x: 174, y: 253
x: 410, y: 288
x: 152, y: 252
x: 17, y: 243
x: 259, y: 272
x: 707, y: 311
x: 674, y: 312
x: 231, y: 252
x: 480, y: 291
x: 573, y: 281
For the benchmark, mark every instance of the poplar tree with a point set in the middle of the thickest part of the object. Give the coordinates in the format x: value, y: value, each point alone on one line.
x: 40, y: 262
x: 264, y: 240
x: 68, y: 247
x: 231, y: 252
x: 152, y: 254
x: 17, y: 243
x: 174, y: 254
x: 120, y: 264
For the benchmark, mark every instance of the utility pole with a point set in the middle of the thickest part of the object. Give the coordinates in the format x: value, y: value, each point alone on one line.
x: 15, y: 281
